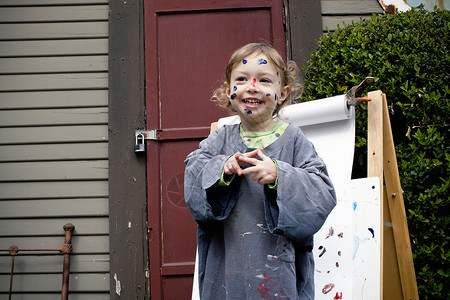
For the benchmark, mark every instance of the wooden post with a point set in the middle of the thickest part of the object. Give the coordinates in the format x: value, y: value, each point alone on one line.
x: 399, y: 279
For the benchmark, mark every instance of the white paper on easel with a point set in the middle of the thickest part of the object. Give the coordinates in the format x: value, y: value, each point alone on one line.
x: 347, y: 248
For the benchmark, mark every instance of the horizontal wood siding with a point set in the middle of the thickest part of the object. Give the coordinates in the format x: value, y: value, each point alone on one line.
x: 54, y: 145
x: 340, y: 12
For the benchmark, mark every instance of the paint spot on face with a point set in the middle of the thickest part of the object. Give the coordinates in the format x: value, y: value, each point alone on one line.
x: 244, y: 61
x: 327, y: 288
x: 234, y: 88
x: 276, y: 97
x: 233, y: 96
x: 268, y: 95
x: 262, y: 61
x: 253, y: 82
x: 248, y: 111
x: 372, y: 232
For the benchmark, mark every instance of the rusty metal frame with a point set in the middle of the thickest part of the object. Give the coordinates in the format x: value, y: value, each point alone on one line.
x: 66, y: 250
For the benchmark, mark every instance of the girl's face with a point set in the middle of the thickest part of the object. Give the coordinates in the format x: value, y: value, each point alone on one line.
x: 255, y: 90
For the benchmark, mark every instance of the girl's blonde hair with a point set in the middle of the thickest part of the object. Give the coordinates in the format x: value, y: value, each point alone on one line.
x: 288, y: 72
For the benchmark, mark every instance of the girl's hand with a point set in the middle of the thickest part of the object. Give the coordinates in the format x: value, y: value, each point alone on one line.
x: 233, y: 165
x: 264, y: 171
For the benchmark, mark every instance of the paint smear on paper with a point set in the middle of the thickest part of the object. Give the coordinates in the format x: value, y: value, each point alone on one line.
x: 327, y: 288
x: 323, y: 251
x: 330, y: 232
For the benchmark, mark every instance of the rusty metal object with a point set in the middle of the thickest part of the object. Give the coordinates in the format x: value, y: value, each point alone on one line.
x: 354, y: 94
x: 13, y: 250
x: 66, y: 250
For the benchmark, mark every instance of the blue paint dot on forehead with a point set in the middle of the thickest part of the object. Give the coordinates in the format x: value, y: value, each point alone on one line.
x: 234, y: 88
x: 244, y: 61
x: 233, y: 96
x: 248, y: 111
x: 262, y: 61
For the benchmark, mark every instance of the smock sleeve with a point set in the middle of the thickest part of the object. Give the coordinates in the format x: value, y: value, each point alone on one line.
x: 304, y: 196
x: 204, y: 166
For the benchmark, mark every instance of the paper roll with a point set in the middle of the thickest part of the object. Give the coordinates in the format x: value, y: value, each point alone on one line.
x: 317, y: 111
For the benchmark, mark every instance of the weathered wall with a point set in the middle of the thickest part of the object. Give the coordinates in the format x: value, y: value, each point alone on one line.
x: 54, y: 144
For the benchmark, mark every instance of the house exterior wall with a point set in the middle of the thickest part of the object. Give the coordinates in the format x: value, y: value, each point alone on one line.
x: 54, y: 145
x: 336, y: 12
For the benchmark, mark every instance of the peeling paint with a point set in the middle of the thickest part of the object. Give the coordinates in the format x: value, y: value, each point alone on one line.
x: 118, y: 288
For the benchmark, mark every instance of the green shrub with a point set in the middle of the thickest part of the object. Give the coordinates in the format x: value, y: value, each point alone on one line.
x: 408, y: 55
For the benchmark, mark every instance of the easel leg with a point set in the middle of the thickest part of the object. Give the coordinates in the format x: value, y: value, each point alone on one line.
x: 382, y: 163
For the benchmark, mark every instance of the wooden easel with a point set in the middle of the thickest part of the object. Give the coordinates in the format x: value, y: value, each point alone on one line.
x: 398, y: 277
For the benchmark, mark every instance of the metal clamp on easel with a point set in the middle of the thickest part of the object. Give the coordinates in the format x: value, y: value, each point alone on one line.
x: 354, y: 94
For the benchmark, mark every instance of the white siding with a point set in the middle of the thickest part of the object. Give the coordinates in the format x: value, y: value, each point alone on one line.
x: 337, y: 12
x: 54, y: 145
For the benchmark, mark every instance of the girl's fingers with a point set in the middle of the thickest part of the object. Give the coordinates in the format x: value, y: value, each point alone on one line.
x: 249, y: 170
x: 251, y: 153
x: 252, y: 161
x: 261, y: 154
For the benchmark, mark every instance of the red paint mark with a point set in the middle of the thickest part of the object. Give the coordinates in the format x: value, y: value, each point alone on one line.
x: 338, y: 296
x: 239, y: 83
x: 253, y: 82
x: 330, y: 232
x: 341, y: 235
x: 266, y: 286
x: 327, y: 288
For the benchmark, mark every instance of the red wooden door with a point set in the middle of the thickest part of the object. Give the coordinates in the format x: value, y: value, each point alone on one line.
x: 188, y: 44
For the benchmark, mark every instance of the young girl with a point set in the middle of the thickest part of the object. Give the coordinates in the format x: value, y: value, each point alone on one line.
x: 257, y: 190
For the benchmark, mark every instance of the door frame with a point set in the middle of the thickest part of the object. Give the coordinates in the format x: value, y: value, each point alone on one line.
x: 129, y: 275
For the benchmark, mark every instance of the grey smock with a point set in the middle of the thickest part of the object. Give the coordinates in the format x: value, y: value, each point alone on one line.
x: 255, y: 242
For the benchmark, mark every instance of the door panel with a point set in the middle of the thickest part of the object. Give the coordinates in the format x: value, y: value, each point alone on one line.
x: 188, y: 44
x: 193, y: 72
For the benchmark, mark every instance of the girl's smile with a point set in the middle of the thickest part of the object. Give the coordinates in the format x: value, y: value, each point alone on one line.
x: 255, y: 91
